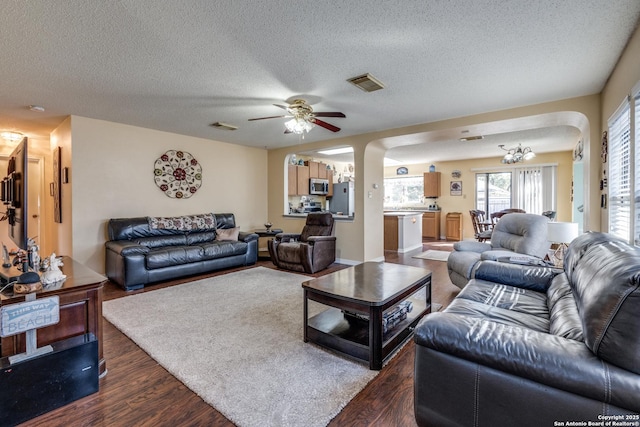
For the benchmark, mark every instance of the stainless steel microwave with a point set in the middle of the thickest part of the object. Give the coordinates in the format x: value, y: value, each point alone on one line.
x: 318, y: 186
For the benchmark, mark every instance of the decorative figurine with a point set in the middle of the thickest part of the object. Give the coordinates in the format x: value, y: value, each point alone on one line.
x: 53, y: 274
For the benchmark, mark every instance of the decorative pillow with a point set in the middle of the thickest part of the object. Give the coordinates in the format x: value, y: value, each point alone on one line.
x: 227, y: 233
x: 183, y: 223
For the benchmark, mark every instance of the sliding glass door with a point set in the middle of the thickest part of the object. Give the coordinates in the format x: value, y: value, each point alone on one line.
x: 493, y: 191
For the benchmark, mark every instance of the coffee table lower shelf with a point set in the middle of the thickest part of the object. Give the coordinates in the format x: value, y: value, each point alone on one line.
x: 333, y: 330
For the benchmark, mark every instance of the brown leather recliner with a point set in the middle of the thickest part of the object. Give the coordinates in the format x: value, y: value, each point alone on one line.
x: 312, y: 250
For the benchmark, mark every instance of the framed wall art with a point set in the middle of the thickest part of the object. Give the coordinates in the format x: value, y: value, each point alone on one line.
x: 57, y: 180
x: 455, y: 188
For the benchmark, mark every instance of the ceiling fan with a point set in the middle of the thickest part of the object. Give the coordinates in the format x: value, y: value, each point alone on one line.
x: 303, y: 118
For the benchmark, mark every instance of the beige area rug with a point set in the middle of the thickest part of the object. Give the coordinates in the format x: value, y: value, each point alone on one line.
x: 434, y: 255
x: 236, y: 340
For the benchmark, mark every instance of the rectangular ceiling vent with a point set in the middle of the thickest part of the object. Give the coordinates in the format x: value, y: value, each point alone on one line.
x: 471, y: 138
x: 366, y: 82
x: 224, y: 126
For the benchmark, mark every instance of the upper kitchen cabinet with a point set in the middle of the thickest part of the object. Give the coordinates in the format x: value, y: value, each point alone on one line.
x: 298, y: 182
x: 317, y: 169
x: 432, y: 184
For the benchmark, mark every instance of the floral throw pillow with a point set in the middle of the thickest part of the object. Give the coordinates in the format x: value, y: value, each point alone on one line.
x: 183, y: 223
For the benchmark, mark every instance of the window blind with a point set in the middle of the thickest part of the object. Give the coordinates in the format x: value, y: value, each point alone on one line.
x: 636, y: 165
x: 536, y: 189
x: 619, y: 172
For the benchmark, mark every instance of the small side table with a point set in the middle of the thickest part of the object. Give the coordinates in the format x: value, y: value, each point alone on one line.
x: 263, y: 251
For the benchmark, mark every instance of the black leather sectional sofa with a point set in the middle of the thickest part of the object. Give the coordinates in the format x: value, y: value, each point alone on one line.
x: 141, y: 250
x: 536, y: 346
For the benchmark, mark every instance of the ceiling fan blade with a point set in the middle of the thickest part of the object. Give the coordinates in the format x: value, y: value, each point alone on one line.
x: 271, y: 117
x: 326, y: 125
x: 284, y: 107
x: 329, y: 114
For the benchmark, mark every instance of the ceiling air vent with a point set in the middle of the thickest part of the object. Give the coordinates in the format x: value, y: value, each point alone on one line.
x: 471, y: 138
x: 366, y: 82
x: 224, y: 126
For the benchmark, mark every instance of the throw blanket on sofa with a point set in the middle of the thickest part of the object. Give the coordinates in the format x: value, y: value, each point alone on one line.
x: 183, y: 223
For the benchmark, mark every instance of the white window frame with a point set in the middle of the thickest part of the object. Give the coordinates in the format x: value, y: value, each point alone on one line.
x: 623, y: 169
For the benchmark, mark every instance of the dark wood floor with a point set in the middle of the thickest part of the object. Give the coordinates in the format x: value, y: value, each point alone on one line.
x: 138, y: 392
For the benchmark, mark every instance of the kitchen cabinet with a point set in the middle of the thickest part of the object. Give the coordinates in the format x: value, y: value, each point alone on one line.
x: 298, y: 180
x: 292, y: 183
x: 303, y: 180
x: 432, y: 184
x: 317, y: 169
x: 431, y: 225
x: 454, y: 226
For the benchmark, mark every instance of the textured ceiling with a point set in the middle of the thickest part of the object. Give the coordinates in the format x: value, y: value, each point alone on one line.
x: 180, y: 66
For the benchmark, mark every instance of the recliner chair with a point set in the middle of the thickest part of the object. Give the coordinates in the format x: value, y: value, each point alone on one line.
x: 516, y: 234
x: 312, y: 250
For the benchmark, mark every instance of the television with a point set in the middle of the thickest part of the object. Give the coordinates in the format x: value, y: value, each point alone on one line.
x: 13, y: 193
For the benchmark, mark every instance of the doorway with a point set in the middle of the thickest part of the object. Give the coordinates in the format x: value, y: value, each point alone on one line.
x: 34, y: 203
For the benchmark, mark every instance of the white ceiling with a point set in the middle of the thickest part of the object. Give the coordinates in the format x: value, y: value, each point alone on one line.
x: 180, y: 66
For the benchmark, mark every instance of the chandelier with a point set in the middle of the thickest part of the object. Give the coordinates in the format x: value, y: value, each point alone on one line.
x: 518, y: 154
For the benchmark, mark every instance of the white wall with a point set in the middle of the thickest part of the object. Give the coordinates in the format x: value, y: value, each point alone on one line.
x: 112, y: 176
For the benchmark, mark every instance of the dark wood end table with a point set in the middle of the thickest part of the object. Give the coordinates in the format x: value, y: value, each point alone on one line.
x: 360, y: 302
x: 263, y: 252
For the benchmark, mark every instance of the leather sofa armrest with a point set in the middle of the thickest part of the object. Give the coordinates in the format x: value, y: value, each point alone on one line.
x: 471, y: 246
x: 247, y: 237
x: 541, y: 357
x: 531, y: 277
x: 287, y: 237
x: 313, y: 239
x: 126, y: 247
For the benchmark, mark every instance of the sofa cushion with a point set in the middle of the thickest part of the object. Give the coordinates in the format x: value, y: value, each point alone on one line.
x: 201, y: 237
x: 227, y: 233
x: 605, y: 278
x: 162, y: 241
x: 522, y: 233
x: 223, y: 248
x: 173, y: 255
x: 563, y: 312
x: 503, y: 304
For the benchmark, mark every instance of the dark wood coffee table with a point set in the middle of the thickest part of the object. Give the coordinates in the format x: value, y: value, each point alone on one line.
x: 357, y: 300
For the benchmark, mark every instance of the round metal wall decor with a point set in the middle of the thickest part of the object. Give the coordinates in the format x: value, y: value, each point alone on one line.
x: 178, y: 174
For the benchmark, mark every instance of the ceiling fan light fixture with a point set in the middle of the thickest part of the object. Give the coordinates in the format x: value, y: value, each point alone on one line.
x: 366, y: 82
x: 298, y: 125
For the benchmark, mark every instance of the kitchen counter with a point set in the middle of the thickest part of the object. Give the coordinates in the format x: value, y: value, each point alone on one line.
x: 412, y: 210
x: 304, y: 215
x: 402, y: 213
x: 402, y: 231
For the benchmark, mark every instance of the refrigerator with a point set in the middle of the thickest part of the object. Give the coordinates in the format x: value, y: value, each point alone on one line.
x: 343, y: 198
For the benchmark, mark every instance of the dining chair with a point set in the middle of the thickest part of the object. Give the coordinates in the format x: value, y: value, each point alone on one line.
x: 482, y: 230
